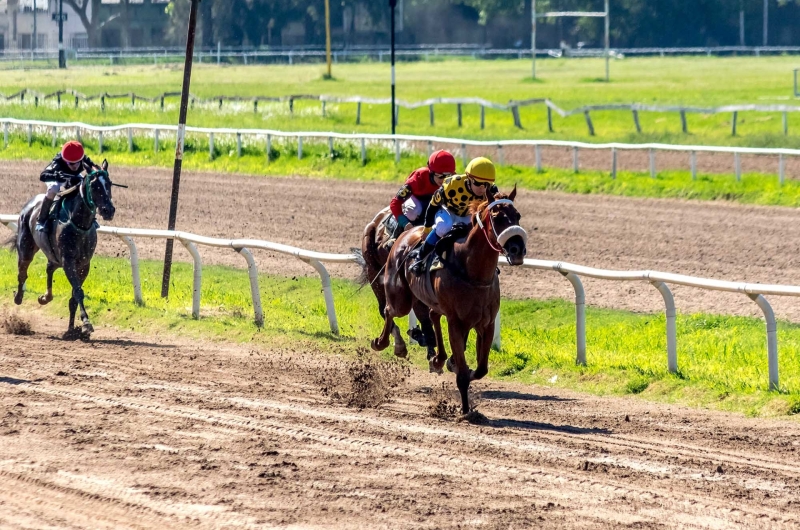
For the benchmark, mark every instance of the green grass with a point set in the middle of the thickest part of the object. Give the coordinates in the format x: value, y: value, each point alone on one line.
x: 722, y: 359
x: 754, y: 188
x: 697, y: 81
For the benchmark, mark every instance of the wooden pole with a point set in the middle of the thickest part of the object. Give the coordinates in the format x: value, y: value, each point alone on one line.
x: 328, y: 37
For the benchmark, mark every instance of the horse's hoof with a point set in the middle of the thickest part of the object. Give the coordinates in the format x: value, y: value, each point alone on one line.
x: 434, y: 369
x: 401, y: 351
x: 87, y: 329
x: 72, y: 334
x: 474, y: 417
x: 18, y: 298
x: 44, y: 299
x: 376, y: 345
x: 449, y: 365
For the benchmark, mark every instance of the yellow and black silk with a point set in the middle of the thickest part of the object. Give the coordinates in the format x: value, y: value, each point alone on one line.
x: 455, y: 196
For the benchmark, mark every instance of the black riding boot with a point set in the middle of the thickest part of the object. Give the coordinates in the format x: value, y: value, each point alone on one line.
x: 44, y: 214
x: 419, y: 264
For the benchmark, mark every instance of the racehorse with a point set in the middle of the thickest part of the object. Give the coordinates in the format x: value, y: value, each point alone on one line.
x: 70, y: 244
x: 466, y: 289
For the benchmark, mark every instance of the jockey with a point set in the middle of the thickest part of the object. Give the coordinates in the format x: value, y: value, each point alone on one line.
x: 66, y: 165
x: 412, y: 199
x: 450, y: 204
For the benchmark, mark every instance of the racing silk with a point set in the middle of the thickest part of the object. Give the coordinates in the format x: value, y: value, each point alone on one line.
x: 455, y: 196
x: 59, y: 171
x: 418, y: 185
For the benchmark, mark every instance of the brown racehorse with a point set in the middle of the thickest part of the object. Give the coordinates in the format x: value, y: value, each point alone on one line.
x: 375, y: 254
x: 466, y: 290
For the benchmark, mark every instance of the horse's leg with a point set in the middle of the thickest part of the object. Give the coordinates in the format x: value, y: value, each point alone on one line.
x: 400, y: 348
x: 47, y: 297
x: 76, y: 277
x: 423, y: 315
x: 26, y: 250
x: 437, y: 364
x: 483, y: 347
x: 458, y: 343
x: 398, y: 303
x: 71, y: 333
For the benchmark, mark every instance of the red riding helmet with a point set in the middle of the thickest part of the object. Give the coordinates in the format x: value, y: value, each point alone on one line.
x: 72, y: 152
x: 442, y: 162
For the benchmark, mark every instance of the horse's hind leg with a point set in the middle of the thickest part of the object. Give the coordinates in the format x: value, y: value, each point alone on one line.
x: 76, y: 279
x: 72, y: 333
x: 423, y: 315
x: 47, y: 297
x: 26, y: 250
x: 437, y: 363
x: 400, y: 348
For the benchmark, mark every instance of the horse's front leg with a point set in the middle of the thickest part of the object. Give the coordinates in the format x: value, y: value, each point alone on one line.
x: 76, y: 278
x: 436, y: 364
x: 47, y: 297
x: 72, y: 333
x: 458, y: 344
x: 483, y: 347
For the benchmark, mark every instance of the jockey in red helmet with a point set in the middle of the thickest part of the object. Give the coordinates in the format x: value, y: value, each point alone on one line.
x: 65, y: 167
x: 411, y: 201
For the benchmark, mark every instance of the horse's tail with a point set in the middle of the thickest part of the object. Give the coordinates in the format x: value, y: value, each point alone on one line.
x: 369, y: 255
x: 11, y: 243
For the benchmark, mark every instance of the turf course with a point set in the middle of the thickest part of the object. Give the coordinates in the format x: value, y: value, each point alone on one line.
x: 721, y: 359
x: 698, y: 81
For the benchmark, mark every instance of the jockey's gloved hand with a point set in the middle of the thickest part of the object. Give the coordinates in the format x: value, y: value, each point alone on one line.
x: 427, y: 230
x: 402, y: 221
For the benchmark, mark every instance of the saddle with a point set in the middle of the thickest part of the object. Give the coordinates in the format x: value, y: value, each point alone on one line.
x: 435, y: 260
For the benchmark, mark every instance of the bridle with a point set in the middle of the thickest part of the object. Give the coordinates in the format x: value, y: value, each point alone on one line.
x: 505, y: 235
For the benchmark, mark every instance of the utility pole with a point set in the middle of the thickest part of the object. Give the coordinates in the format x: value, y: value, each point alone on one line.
x: 533, y: 36
x: 608, y: 40
x: 766, y: 22
x: 62, y: 58
x: 741, y: 22
x: 176, y: 174
x: 33, y: 44
x: 393, y: 5
x: 328, y: 36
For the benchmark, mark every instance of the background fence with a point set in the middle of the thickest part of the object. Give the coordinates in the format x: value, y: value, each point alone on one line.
x: 571, y: 272
x: 263, y: 138
x: 74, y: 98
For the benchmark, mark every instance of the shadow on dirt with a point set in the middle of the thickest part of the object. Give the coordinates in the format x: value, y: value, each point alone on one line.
x: 538, y: 426
x: 502, y: 395
x: 13, y: 381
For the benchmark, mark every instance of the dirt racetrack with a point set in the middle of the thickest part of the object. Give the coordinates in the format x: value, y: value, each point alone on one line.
x: 131, y: 431
x: 716, y: 240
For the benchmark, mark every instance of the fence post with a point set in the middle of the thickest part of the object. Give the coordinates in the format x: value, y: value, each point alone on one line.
x: 483, y: 117
x: 684, y: 125
x: 252, y: 270
x: 693, y: 162
x: 239, y: 145
x: 589, y: 122
x: 5, y: 135
x: 103, y: 103
x: 430, y: 148
x: 327, y: 291
x: 772, y: 338
x: 291, y: 106
x: 299, y: 147
x: 672, y: 340
x: 580, y: 316
x: 396, y: 151
x: 550, y: 119
x: 737, y: 163
x: 155, y: 141
x: 323, y: 108
x: 58, y: 98
x: 636, y: 121
x: 130, y: 140
x: 500, y: 156
x: 198, y: 277
x: 517, y: 119
x: 786, y: 124
x: 211, y: 146
x: 330, y: 147
x: 358, y: 113
x: 781, y: 169
x: 653, y: 163
x: 100, y: 142
x: 458, y: 110
x: 397, y: 114
x: 464, y: 155
x: 137, y: 284
x: 537, y: 150
x: 55, y: 136
x: 269, y: 147
x: 613, y: 162
x: 575, y: 161
x: 430, y: 112
x: 30, y: 134
x: 733, y: 123
x: 363, y: 152
x: 162, y: 103
x: 255, y: 106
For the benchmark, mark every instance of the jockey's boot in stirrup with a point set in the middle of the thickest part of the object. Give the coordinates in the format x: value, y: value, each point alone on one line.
x: 419, y: 264
x: 44, y: 214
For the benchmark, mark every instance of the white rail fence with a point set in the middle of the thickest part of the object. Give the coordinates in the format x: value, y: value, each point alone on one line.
x: 398, y: 143
x: 572, y: 272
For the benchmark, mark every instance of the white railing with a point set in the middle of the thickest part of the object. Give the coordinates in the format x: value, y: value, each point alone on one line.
x: 267, y: 135
x: 571, y: 272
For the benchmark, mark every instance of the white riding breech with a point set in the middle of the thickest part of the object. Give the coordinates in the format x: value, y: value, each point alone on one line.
x: 52, y: 190
x: 412, y: 208
x: 446, y: 219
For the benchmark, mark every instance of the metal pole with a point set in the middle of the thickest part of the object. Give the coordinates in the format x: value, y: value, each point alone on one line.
x: 607, y: 40
x: 392, y: 5
x: 741, y: 23
x: 328, y: 36
x: 766, y: 21
x: 176, y: 175
x: 533, y: 37
x: 62, y: 58
x: 33, y: 44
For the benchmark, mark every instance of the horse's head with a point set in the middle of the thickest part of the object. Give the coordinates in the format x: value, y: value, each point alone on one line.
x: 100, y: 184
x: 500, y: 221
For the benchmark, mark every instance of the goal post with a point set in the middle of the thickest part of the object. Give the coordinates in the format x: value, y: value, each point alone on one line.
x: 572, y: 14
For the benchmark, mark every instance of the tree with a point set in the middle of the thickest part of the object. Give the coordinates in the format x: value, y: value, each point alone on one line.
x: 88, y: 11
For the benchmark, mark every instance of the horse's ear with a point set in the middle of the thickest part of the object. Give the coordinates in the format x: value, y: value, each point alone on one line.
x: 513, y: 194
x: 104, y: 165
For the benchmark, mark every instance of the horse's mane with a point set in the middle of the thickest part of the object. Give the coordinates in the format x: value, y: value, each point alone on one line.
x: 477, y: 206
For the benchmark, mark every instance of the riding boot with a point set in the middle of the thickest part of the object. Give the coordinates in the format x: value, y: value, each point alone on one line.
x: 419, y: 264
x: 44, y: 214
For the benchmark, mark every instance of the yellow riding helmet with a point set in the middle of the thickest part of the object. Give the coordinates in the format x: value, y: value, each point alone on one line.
x: 481, y: 169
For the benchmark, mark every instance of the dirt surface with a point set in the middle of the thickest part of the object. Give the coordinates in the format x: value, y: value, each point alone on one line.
x: 714, y: 240
x: 131, y: 431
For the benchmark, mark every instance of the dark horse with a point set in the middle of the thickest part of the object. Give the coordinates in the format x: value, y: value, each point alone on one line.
x: 69, y: 244
x: 466, y: 290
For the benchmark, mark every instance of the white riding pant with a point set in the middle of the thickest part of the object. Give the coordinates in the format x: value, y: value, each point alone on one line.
x: 445, y: 220
x: 52, y: 190
x: 412, y: 208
